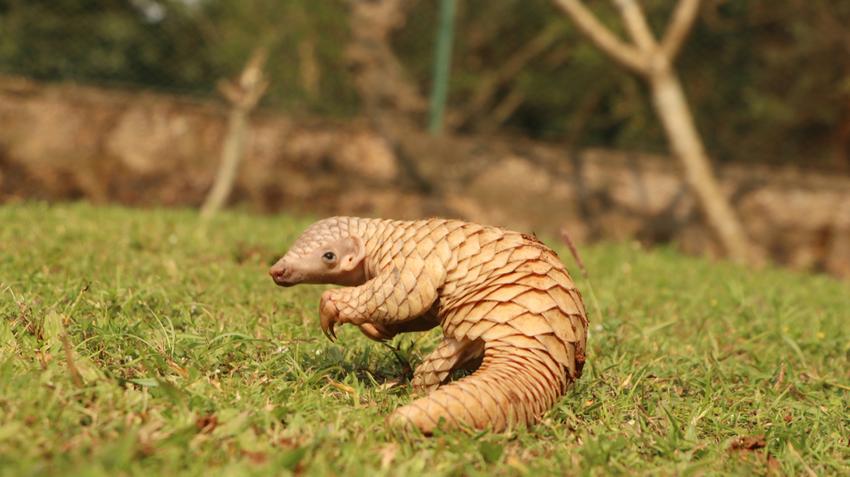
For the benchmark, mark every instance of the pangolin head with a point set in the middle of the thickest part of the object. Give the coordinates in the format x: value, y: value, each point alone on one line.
x: 327, y: 252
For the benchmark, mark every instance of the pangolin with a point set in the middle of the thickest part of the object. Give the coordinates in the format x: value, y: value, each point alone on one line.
x: 504, y: 300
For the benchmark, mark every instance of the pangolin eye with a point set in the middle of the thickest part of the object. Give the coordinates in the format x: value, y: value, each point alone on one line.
x: 329, y: 257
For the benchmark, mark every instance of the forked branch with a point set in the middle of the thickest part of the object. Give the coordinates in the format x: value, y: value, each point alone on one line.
x: 654, y: 61
x: 680, y: 26
x: 622, y: 52
x: 637, y: 25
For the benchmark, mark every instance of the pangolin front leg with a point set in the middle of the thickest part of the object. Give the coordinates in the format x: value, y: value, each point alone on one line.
x: 389, y: 299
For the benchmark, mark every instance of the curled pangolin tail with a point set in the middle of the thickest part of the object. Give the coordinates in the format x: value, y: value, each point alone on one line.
x: 513, y: 386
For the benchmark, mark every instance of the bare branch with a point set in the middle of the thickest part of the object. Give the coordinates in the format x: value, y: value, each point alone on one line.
x: 503, y: 110
x: 513, y: 66
x: 623, y: 53
x: 680, y: 25
x: 637, y: 25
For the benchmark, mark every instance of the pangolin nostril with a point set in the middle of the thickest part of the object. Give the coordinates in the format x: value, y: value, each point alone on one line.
x: 277, y: 272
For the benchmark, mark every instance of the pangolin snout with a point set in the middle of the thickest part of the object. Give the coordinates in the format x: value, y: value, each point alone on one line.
x: 280, y: 274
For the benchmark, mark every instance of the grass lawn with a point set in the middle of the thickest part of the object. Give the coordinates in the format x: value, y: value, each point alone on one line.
x: 137, y: 343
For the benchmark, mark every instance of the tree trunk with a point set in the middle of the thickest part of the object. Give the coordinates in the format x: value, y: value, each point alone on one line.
x: 653, y: 61
x: 391, y: 100
x: 672, y: 108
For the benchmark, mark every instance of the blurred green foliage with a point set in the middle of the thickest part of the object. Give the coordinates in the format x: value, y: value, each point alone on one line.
x: 768, y: 81
x: 105, y: 40
x: 182, y: 46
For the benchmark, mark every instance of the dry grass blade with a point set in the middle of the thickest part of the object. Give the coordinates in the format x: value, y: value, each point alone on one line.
x: 76, y: 378
x: 568, y: 241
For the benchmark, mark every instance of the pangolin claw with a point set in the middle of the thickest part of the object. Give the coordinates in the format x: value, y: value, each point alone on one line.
x: 328, y: 316
x: 328, y: 327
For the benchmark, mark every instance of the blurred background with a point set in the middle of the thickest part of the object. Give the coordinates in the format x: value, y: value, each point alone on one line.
x: 494, y: 111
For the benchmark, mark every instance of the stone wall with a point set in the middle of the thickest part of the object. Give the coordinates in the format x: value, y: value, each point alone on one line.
x: 64, y: 142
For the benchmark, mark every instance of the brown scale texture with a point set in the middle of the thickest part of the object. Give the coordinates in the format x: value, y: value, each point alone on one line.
x: 503, y: 299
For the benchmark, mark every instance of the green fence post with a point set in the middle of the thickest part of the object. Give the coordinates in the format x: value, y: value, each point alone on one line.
x: 442, y: 64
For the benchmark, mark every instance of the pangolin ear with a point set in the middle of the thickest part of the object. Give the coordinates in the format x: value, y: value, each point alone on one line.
x: 355, y: 252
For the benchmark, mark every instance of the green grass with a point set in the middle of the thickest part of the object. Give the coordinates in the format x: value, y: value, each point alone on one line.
x: 186, y: 359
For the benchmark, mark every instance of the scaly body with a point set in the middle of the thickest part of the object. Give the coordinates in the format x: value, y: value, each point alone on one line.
x: 503, y: 299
